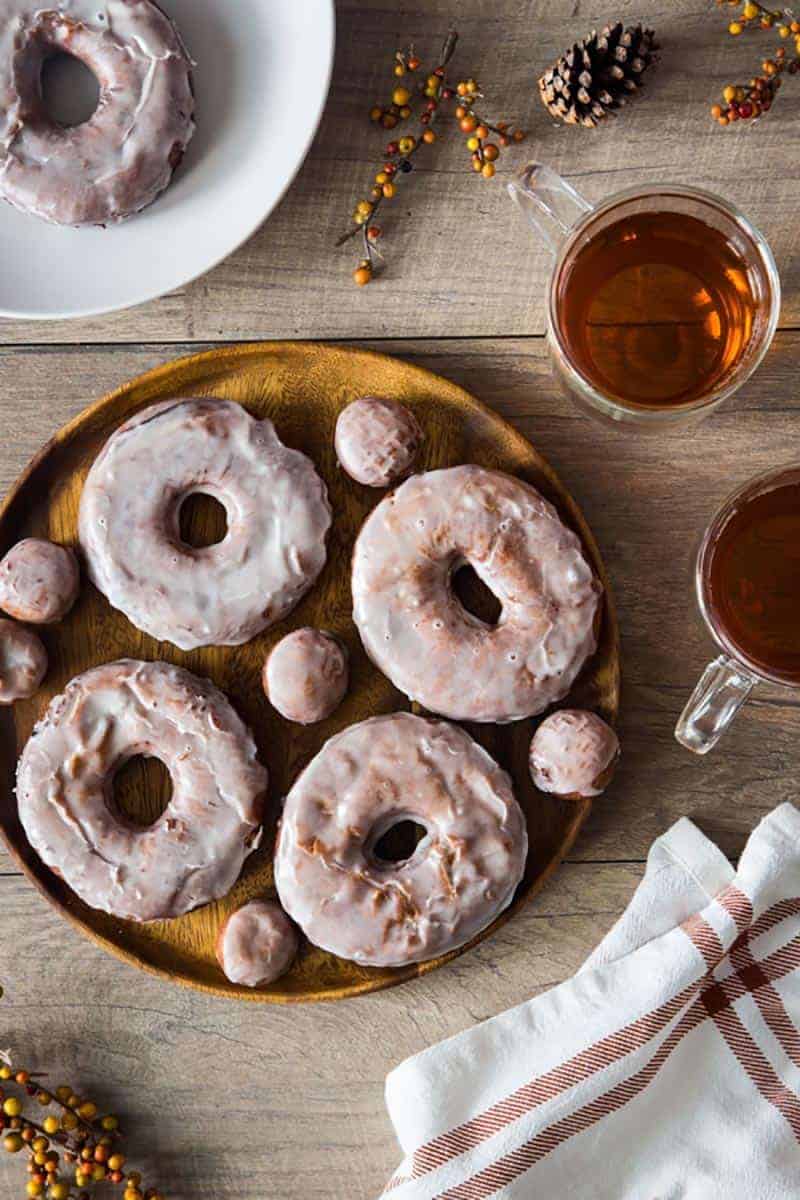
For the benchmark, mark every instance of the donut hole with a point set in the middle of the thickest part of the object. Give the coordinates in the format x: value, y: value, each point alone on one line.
x: 202, y: 521
x: 70, y: 89
x: 141, y: 790
x: 474, y: 596
x: 399, y: 842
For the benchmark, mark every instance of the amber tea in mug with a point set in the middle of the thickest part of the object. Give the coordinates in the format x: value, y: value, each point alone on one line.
x: 751, y: 581
x: 657, y: 308
x: 662, y: 300
x: 747, y: 580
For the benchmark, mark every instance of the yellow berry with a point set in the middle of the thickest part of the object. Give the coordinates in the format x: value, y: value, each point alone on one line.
x: 735, y: 28
x: 364, y: 207
x: 405, y: 112
x: 784, y: 30
x: 82, y: 1179
x: 473, y: 143
x: 116, y: 1162
x: 63, y: 1093
x: 401, y: 96
x: 381, y: 177
x: 406, y: 144
x: 134, y: 1179
x: 389, y: 190
x: 13, y: 1143
x: 50, y: 1125
x: 69, y: 1121
x: 750, y: 11
x: 12, y: 1107
x: 429, y: 136
x: 110, y: 1122
x: 433, y: 81
x: 99, y: 1173
x: 44, y: 1098
x: 59, y: 1191
x: 729, y: 94
x: 5, y: 1072
x: 132, y: 1194
x: 488, y: 170
x: 40, y: 1143
x: 34, y: 1188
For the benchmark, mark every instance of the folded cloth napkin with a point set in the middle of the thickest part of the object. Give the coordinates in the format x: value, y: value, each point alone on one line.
x: 667, y: 1068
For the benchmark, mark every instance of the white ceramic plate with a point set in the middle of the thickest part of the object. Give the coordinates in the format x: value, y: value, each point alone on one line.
x: 262, y: 77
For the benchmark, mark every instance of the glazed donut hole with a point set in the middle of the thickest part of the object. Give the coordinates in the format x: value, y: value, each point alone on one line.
x: 39, y: 581
x: 377, y: 441
x: 306, y: 676
x: 574, y: 754
x: 23, y: 662
x: 256, y: 944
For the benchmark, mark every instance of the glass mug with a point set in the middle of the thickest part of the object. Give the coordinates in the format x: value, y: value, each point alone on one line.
x: 662, y: 300
x: 747, y: 582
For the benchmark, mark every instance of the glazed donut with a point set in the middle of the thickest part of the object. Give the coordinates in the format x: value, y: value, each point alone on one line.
x: 377, y: 441
x: 573, y: 754
x: 416, y: 631
x: 129, y: 525
x: 362, y: 783
x: 118, y: 161
x: 256, y: 944
x: 23, y: 662
x: 39, y: 581
x: 195, y: 850
x: 305, y: 676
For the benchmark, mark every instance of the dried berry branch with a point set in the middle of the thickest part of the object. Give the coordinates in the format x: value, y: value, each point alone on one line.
x: 428, y: 99
x: 747, y: 102
x: 88, y: 1142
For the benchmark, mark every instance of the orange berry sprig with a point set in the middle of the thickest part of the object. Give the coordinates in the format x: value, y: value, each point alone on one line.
x: 74, y: 1150
x: 478, y: 129
x: 428, y: 98
x: 748, y: 102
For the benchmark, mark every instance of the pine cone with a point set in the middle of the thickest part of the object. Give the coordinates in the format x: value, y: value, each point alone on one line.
x: 599, y: 74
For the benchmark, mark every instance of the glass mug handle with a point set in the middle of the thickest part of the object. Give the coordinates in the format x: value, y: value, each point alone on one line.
x: 551, y: 205
x: 723, y: 688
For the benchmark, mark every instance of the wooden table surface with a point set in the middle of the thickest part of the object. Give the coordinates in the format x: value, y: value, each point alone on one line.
x: 240, y: 1102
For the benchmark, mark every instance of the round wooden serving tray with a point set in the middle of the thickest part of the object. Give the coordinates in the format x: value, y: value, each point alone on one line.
x: 302, y: 388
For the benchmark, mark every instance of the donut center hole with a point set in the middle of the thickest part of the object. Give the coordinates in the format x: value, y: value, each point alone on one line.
x: 70, y: 90
x: 202, y: 521
x: 474, y: 596
x: 399, y: 842
x: 141, y: 790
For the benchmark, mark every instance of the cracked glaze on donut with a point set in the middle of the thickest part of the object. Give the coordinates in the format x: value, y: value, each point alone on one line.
x: 363, y: 782
x: 195, y: 850
x: 306, y: 676
x: 221, y: 595
x: 417, y: 632
x: 39, y: 581
x: 118, y: 161
x: 23, y: 662
x: 573, y: 753
x: 256, y: 944
x: 377, y: 441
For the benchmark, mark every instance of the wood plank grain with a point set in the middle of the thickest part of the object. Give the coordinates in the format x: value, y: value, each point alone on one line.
x: 646, y: 498
x: 459, y: 259
x: 225, y: 1100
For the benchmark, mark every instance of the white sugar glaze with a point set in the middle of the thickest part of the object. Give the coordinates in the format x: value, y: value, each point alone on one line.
x: 256, y: 944
x: 195, y: 850
x: 118, y: 161
x: 23, y: 662
x: 278, y: 517
x: 573, y: 753
x: 366, y: 780
x: 39, y: 581
x: 414, y: 628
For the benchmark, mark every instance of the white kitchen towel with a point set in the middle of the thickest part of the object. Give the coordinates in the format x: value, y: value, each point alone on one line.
x: 668, y: 1068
